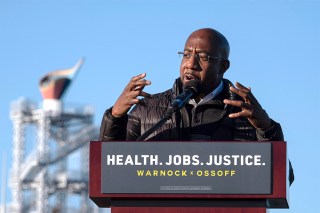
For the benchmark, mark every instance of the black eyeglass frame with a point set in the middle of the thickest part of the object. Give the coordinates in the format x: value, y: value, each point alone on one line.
x: 207, y: 58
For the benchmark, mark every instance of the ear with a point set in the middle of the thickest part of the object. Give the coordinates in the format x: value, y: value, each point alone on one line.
x: 225, y: 64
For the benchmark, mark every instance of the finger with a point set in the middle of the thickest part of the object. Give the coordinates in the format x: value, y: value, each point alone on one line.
x: 138, y: 101
x: 249, y: 97
x: 145, y: 94
x: 239, y: 92
x: 243, y: 113
x: 141, y: 82
x: 241, y: 87
x: 138, y: 88
x: 139, y: 85
x: 136, y: 81
x: 140, y: 93
x: 246, y: 95
x: 239, y: 104
x: 138, y: 77
x: 134, y: 101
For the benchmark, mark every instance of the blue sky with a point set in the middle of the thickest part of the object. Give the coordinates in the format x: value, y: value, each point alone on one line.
x: 274, y: 50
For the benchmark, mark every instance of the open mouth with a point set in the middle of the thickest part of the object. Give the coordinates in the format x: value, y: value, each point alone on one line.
x: 189, y: 77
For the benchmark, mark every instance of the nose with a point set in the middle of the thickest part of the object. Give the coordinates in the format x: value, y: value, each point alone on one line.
x: 193, y: 63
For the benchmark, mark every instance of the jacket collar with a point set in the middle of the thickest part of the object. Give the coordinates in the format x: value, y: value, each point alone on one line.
x: 177, y: 88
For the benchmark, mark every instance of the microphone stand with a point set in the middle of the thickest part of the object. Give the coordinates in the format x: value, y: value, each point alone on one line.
x: 190, y: 90
x: 166, y: 117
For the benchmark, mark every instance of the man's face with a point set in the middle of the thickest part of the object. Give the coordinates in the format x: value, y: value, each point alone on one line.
x: 193, y: 67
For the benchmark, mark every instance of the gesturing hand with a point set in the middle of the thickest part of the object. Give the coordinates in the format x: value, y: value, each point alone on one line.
x: 130, y: 94
x: 251, y: 109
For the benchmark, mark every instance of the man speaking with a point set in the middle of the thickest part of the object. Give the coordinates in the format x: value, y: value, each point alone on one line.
x: 214, y: 110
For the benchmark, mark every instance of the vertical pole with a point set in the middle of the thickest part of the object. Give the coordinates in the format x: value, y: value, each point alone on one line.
x: 17, y: 157
x: 41, y: 191
x: 3, y: 184
x: 85, y: 175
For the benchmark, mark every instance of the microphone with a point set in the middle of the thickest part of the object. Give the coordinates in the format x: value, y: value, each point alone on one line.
x: 190, y: 90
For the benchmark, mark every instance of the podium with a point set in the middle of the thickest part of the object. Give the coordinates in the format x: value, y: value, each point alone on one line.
x: 188, y: 176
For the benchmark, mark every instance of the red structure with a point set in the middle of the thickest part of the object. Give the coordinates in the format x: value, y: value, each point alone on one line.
x: 54, y: 84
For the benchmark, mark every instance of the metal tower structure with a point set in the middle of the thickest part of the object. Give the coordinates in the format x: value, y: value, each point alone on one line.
x: 44, y: 170
x: 40, y: 179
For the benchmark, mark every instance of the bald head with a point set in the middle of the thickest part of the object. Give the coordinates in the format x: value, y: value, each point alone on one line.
x: 211, y: 43
x: 216, y: 39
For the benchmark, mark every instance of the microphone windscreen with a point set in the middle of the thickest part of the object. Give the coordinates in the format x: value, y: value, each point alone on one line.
x: 194, y: 85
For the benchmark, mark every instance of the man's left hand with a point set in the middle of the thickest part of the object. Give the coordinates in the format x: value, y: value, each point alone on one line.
x: 251, y: 109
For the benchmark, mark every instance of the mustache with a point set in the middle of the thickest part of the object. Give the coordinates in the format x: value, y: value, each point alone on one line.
x: 189, y: 74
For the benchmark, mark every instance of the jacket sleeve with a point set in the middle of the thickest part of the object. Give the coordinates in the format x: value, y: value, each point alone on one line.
x: 274, y: 133
x: 126, y: 128
x: 113, y: 128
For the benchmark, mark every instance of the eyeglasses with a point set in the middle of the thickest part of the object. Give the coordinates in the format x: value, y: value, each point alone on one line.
x: 202, y: 56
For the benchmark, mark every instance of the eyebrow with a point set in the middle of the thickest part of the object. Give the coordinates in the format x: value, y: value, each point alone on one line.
x: 197, y: 50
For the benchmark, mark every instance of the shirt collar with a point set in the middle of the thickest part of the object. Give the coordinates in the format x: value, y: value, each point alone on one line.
x: 210, y: 96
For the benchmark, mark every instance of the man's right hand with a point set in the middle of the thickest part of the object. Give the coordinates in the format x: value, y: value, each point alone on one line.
x: 129, y: 96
